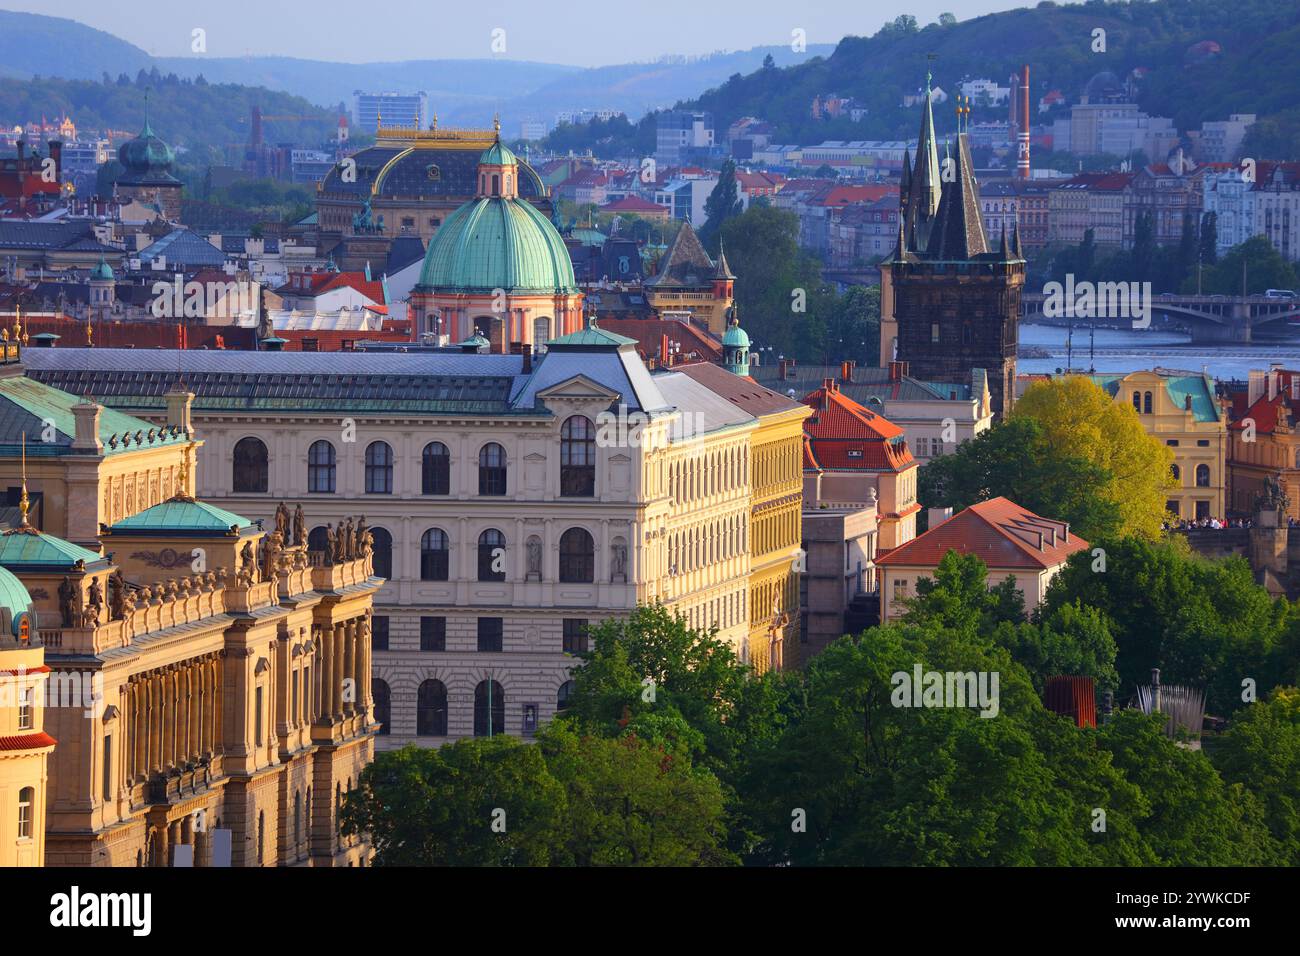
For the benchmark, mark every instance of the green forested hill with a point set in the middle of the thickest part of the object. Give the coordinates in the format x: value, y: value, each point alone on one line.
x: 197, y: 116
x: 1257, y: 70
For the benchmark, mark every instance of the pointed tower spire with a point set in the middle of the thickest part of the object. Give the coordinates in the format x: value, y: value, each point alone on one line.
x: 924, y: 186
x: 723, y: 271
x: 1003, y: 249
x: 1015, y: 241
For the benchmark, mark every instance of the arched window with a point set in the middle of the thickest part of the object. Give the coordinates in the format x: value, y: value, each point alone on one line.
x: 1137, y: 401
x: 433, y: 555
x: 26, y: 797
x: 435, y: 470
x: 250, y: 466
x: 577, y: 557
x: 383, y: 703
x: 317, y: 539
x: 1202, y: 476
x: 1146, y: 403
x: 577, y: 457
x: 382, y: 560
x: 379, y: 468
x: 492, y: 469
x: 320, y: 467
x: 261, y: 836
x: 563, y: 695
x: 541, y: 333
x: 491, y: 555
x: 431, y: 709
x: 1177, y: 472
x: 489, y: 709
x: 297, y: 822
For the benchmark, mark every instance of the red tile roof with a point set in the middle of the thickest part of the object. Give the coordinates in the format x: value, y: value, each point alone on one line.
x: 27, y: 741
x: 741, y: 390
x: 844, y: 436
x: 1000, y: 532
x: 633, y: 204
x: 649, y: 333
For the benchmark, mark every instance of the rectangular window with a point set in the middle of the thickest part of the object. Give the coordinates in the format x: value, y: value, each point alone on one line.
x: 25, y: 797
x: 310, y: 345
x: 433, y: 633
x: 1172, y: 507
x: 1202, y: 443
x: 530, y: 719
x: 108, y: 767
x: 490, y: 630
x: 1202, y: 509
x: 1171, y: 442
x: 295, y: 679
x: 934, y: 331
x: 257, y: 719
x: 379, y: 632
x: 575, y: 635
x: 26, y: 715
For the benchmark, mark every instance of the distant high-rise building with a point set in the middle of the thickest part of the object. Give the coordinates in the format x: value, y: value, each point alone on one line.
x: 683, y: 136
x: 393, y: 109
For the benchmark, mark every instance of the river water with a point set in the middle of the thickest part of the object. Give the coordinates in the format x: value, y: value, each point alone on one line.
x: 1129, y: 350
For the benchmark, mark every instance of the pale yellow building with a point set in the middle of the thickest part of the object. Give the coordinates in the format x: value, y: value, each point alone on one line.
x: 1180, y: 410
x: 515, y: 500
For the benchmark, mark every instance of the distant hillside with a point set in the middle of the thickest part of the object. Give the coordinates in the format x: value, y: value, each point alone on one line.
x: 196, y: 116
x: 31, y: 44
x: 460, y: 91
x: 1256, y: 72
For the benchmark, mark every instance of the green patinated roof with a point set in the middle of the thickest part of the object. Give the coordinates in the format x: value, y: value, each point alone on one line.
x: 181, y: 516
x: 498, y: 154
x: 28, y: 548
x: 736, y: 337
x: 13, y: 595
x: 491, y: 243
x: 592, y: 335
x: 102, y: 271
x: 1179, y: 387
x: 27, y: 406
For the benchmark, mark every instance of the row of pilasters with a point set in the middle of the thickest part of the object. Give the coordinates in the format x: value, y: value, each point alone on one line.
x: 174, y: 715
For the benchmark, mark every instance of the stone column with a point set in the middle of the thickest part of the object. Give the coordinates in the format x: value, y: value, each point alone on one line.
x: 349, y: 664
x: 327, y: 669
x: 336, y: 688
x: 160, y: 847
x: 362, y: 666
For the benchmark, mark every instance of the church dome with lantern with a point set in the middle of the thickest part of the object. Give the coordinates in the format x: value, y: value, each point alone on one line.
x: 497, y: 240
x: 497, y: 266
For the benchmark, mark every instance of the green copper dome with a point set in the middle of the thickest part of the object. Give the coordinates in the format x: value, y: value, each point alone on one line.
x: 491, y: 243
x: 498, y: 154
x: 103, y: 271
x: 735, y: 337
x: 146, y: 154
x: 14, y: 598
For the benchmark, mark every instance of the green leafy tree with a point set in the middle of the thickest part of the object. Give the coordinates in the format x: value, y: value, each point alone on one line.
x: 1192, y: 818
x: 1256, y: 262
x: 1209, y: 239
x: 723, y: 203
x: 1202, y: 622
x: 1081, y: 422
x: 631, y: 803
x: 1261, y: 752
x: 477, y: 802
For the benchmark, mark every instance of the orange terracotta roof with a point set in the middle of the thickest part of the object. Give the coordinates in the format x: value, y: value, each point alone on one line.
x: 27, y: 741
x: 1000, y: 532
x: 843, y: 435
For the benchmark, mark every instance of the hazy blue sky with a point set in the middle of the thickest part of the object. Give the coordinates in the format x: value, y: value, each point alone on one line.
x: 580, y: 32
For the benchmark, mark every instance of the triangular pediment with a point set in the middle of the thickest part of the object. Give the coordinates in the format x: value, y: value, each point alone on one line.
x: 579, y: 388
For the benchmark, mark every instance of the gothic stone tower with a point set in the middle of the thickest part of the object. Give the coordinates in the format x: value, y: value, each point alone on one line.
x: 956, y: 302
